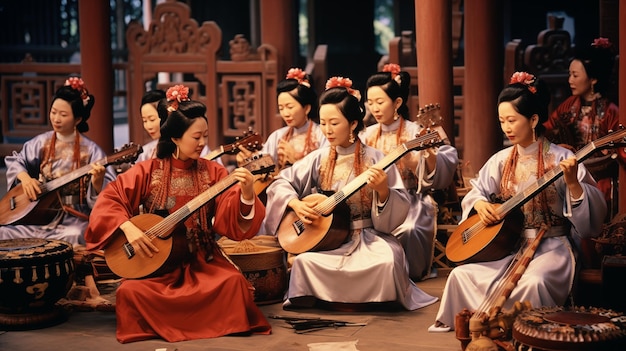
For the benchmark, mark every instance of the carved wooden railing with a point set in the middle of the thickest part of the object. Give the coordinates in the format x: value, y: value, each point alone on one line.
x: 238, y: 93
x: 26, y: 90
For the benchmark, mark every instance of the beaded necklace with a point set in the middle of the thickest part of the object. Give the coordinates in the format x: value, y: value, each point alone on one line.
x: 309, y: 143
x: 328, y: 168
x: 373, y: 140
x: 50, y: 153
x: 508, y: 180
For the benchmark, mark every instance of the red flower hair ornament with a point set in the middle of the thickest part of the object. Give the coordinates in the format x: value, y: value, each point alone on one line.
x: 524, y: 78
x: 79, y: 85
x: 299, y: 75
x: 342, y: 82
x: 603, y: 43
x: 394, y: 69
x: 175, y: 95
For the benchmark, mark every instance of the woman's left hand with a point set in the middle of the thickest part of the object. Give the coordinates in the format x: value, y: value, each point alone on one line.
x: 246, y: 182
x: 97, y: 176
x: 377, y: 180
x: 286, y: 153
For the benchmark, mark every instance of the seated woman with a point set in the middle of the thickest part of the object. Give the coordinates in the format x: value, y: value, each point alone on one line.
x: 422, y: 171
x: 54, y: 154
x: 204, y: 295
x: 301, y: 135
x: 589, y: 114
x: 370, y: 267
x: 151, y: 122
x: 572, y: 208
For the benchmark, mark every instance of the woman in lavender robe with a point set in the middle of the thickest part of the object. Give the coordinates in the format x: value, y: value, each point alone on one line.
x: 301, y: 134
x: 370, y: 267
x: 422, y: 171
x: 53, y: 154
x: 572, y: 208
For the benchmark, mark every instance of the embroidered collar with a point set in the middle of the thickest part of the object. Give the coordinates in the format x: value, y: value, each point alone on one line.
x: 66, y: 138
x: 177, y: 163
x: 346, y: 150
x: 303, y: 129
x: 530, y: 150
x: 391, y: 127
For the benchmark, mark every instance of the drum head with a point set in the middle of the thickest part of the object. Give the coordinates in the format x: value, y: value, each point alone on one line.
x: 578, y: 328
x: 21, y: 244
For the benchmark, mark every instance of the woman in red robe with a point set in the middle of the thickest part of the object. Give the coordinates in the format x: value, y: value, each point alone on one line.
x: 205, y: 295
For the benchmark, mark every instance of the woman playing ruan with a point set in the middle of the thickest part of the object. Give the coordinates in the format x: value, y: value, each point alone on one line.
x: 205, y: 295
x: 421, y: 171
x: 301, y: 135
x: 345, y: 275
x: 54, y: 154
x: 571, y: 208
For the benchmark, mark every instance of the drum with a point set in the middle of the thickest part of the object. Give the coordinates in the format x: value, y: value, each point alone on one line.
x: 34, y: 275
x: 262, y: 261
x: 578, y: 328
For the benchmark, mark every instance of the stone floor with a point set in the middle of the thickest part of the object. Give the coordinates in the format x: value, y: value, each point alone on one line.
x: 394, y: 330
x: 397, y: 330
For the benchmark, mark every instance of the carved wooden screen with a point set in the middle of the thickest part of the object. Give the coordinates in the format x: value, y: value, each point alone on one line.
x: 238, y: 94
x: 548, y: 59
x: 26, y: 98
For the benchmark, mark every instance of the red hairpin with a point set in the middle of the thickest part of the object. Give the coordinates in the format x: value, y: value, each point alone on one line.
x: 394, y: 69
x: 524, y: 78
x: 175, y: 95
x: 78, y: 84
x: 299, y: 75
x: 342, y: 82
x: 601, y: 42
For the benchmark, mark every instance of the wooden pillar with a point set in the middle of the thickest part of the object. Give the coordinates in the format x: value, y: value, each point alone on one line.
x: 283, y: 35
x: 96, y: 68
x: 434, y: 58
x: 483, y: 80
x: 622, y: 98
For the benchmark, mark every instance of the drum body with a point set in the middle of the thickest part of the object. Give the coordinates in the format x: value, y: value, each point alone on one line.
x: 34, y: 275
x: 262, y: 261
x: 578, y: 328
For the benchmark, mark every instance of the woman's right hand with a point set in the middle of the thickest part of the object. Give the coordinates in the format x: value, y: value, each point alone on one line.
x: 31, y: 186
x: 138, y: 239
x: 243, y: 155
x: 487, y: 212
x: 304, y: 210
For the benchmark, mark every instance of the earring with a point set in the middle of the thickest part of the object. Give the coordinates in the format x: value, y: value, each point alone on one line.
x: 177, y: 154
x: 395, y: 115
x: 534, y: 135
x: 352, y: 138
